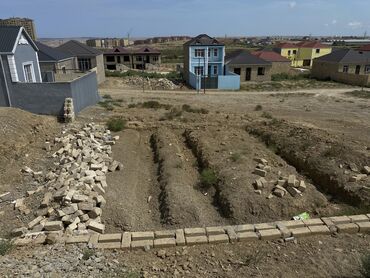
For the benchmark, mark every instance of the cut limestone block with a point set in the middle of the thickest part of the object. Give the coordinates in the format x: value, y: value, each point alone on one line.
x: 270, y: 234
x: 126, y: 240
x: 180, y: 237
x: 350, y: 228
x: 109, y: 245
x: 220, y: 238
x: 364, y: 227
x: 142, y: 244
x: 93, y: 241
x: 34, y: 222
x: 231, y: 233
x: 247, y: 236
x: 78, y: 239
x: 97, y: 227
x: 215, y: 231
x: 359, y: 218
x: 164, y: 242
x: 301, y: 232
x: 244, y: 228
x: 264, y: 226
x: 165, y: 234
x: 194, y: 231
x: 53, y: 226
x: 291, y: 224
x: 260, y: 172
x: 195, y: 240
x: 319, y: 230
x: 313, y: 222
x: 340, y: 219
x: 142, y: 236
x: 293, y: 191
x: 110, y: 238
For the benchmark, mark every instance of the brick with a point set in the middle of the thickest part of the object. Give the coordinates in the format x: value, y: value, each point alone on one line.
x: 270, y: 234
x: 164, y: 242
x: 110, y: 238
x: 302, y: 186
x: 109, y: 245
x: 180, y: 237
x: 97, y: 227
x: 78, y: 239
x: 35, y: 221
x: 53, y: 226
x: 164, y: 234
x: 291, y: 180
x: 141, y: 244
x: 364, y: 227
x: 85, y: 206
x: 340, y: 219
x: 93, y: 241
x: 244, y: 228
x: 215, y: 231
x: 136, y: 236
x: 22, y: 241
x: 284, y: 231
x: 264, y: 226
x: 45, y: 202
x: 358, y: 218
x: 301, y: 232
x: 126, y: 240
x: 319, y: 230
x: 19, y: 231
x: 194, y: 231
x: 247, y: 236
x: 260, y: 172
x: 223, y: 238
x: 195, y: 240
x: 231, y: 233
x: 327, y: 221
x: 350, y: 228
x: 293, y: 191
x: 313, y: 222
x: 291, y: 224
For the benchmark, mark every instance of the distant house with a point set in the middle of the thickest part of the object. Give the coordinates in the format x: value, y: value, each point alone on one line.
x: 248, y: 66
x: 21, y: 83
x: 204, y: 65
x: 303, y: 53
x: 54, y: 64
x: 279, y: 64
x: 365, y: 48
x: 344, y: 65
x: 121, y: 58
x: 88, y: 58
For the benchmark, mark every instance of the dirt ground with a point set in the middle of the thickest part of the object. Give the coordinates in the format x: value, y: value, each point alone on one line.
x: 319, y: 135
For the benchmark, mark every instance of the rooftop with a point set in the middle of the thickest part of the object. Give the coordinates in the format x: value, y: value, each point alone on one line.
x: 9, y: 36
x: 346, y: 56
x: 270, y: 56
x: 241, y: 57
x: 76, y: 48
x: 203, y: 39
x: 47, y: 53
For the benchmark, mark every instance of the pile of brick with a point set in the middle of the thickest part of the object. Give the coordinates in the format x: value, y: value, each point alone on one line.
x: 75, y: 187
x: 69, y: 112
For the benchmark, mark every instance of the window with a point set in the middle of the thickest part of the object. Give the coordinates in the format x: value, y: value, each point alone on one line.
x: 294, y: 52
x: 138, y: 58
x: 289, y: 52
x: 155, y: 58
x: 64, y: 70
x: 358, y: 69
x: 261, y: 71
x: 199, y: 52
x: 119, y: 59
x: 345, y: 68
x: 111, y: 67
x: 209, y: 52
x: 367, y: 69
x: 110, y: 59
x: 237, y: 71
x: 126, y: 58
x: 209, y: 70
x: 198, y: 70
x: 84, y: 64
x: 215, y: 52
x: 317, y: 50
x: 215, y: 70
x: 29, y: 74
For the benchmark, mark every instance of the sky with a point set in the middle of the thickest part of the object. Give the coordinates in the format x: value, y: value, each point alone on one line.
x: 147, y: 18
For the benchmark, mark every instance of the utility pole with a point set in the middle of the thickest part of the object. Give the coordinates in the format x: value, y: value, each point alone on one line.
x: 142, y: 72
x: 204, y: 72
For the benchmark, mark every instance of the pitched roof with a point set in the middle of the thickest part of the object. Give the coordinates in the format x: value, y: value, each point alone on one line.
x: 312, y: 44
x: 76, y: 48
x: 270, y: 56
x: 365, y: 47
x: 124, y: 50
x: 49, y: 54
x: 346, y: 56
x: 286, y: 45
x: 9, y: 36
x: 241, y: 57
x: 203, y: 39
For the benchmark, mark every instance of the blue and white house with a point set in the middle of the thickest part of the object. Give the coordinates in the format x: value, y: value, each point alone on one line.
x: 204, y: 65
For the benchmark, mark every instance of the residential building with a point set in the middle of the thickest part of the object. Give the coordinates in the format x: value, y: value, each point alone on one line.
x: 54, y: 64
x: 21, y: 83
x: 121, y: 58
x: 365, y: 48
x: 344, y: 65
x: 204, y: 65
x: 279, y: 64
x: 88, y: 58
x: 26, y: 23
x: 303, y: 53
x: 108, y: 42
x: 248, y: 66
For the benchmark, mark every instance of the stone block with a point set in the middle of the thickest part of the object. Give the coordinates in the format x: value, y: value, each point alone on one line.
x: 219, y: 238
x: 142, y: 244
x: 53, y: 226
x: 350, y: 228
x: 285, y: 232
x: 313, y: 222
x: 340, y: 219
x: 260, y: 172
x: 164, y: 242
x: 247, y: 236
x: 270, y: 234
x: 293, y: 191
x: 19, y: 232
x: 108, y: 245
x: 359, y: 218
x: 110, y: 238
x: 34, y: 222
x: 70, y: 209
x: 78, y: 239
x: 195, y: 240
x: 366, y: 170
x: 301, y: 232
x: 22, y: 241
x: 180, y: 237
x: 291, y: 180
x: 46, y: 201
x: 319, y: 230
x: 84, y: 218
x: 126, y: 241
x: 78, y: 198
x: 95, y: 212
x: 244, y: 228
x: 165, y: 234
x: 136, y: 236
x: 302, y: 186
x: 364, y: 227
x: 264, y: 226
x: 291, y: 224
x: 93, y: 241
x: 98, y: 188
x: 215, y: 231
x: 97, y: 227
x: 194, y: 231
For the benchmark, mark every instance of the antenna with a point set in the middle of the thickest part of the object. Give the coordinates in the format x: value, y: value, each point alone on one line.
x: 128, y: 35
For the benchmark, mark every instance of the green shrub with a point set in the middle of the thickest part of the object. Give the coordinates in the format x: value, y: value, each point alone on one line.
x: 152, y: 104
x: 116, y: 124
x: 258, y: 107
x: 173, y: 113
x: 106, y: 96
x: 87, y: 254
x: 286, y: 76
x: 208, y: 178
x: 365, y: 262
x: 5, y: 246
x: 188, y: 108
x: 359, y: 94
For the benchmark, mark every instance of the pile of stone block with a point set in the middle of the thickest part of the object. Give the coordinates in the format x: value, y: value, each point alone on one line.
x: 358, y: 176
x: 69, y: 112
x: 290, y: 184
x: 75, y: 187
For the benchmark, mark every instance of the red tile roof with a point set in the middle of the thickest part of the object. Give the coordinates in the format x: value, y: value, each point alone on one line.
x: 365, y: 47
x: 270, y: 56
x: 140, y: 51
x: 312, y: 44
x: 286, y: 45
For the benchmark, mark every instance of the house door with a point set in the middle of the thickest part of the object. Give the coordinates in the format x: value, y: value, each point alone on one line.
x: 306, y: 63
x: 237, y: 71
x: 358, y: 69
x: 147, y: 59
x: 248, y: 73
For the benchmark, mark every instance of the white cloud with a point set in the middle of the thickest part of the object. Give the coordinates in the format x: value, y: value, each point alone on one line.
x: 292, y: 4
x: 355, y: 24
x: 334, y: 21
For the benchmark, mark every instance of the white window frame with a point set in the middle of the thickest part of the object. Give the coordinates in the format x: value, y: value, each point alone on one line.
x: 215, y: 52
x: 345, y: 68
x: 198, y: 51
x: 367, y: 69
x: 30, y: 63
x: 199, y: 70
x: 215, y: 70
